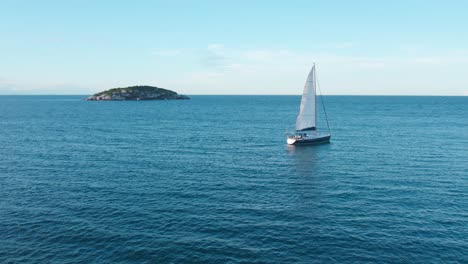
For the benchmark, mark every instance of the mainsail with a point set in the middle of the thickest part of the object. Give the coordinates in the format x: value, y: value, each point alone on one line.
x: 306, y: 120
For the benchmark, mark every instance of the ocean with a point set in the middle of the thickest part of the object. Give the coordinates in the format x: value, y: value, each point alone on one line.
x: 211, y: 180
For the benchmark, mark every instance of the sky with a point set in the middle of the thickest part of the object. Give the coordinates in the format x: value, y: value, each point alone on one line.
x: 234, y: 47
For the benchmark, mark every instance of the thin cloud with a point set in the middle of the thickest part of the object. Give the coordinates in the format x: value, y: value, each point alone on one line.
x: 270, y: 71
x: 7, y: 88
x: 266, y: 55
x: 215, y: 56
x: 344, y: 45
x: 166, y: 53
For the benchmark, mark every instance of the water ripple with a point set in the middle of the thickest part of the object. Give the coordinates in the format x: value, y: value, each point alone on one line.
x: 210, y: 180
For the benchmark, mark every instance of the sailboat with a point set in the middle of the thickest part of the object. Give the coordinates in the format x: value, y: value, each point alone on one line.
x: 306, y: 123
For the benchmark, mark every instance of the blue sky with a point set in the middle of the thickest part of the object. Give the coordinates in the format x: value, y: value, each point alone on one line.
x: 234, y: 47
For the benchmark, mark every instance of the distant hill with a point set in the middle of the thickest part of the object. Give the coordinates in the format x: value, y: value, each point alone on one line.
x: 136, y: 93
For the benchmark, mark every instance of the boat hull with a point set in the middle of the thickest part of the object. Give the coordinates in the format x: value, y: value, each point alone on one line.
x: 309, y: 141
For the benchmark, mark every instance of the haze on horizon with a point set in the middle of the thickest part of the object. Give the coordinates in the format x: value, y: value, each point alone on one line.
x: 258, y: 47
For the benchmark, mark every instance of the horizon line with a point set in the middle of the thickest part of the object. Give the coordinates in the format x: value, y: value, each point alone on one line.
x: 435, y: 95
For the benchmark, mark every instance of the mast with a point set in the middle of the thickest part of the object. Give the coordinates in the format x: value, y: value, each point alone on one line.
x: 315, y: 94
x: 323, y: 105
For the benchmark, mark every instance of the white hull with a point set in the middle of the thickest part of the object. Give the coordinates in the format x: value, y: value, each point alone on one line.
x: 301, y: 139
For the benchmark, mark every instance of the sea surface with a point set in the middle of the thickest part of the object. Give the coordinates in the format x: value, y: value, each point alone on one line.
x: 211, y: 180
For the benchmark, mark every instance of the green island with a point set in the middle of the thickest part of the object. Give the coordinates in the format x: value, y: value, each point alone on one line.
x: 140, y: 92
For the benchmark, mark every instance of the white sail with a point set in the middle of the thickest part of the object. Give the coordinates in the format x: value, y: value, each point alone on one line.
x: 306, y: 120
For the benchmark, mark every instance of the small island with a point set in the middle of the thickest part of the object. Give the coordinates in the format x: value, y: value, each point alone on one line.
x: 136, y: 93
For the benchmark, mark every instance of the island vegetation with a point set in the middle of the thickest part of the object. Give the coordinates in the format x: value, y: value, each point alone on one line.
x: 141, y: 92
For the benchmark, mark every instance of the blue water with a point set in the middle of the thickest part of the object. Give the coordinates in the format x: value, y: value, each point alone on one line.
x: 211, y: 180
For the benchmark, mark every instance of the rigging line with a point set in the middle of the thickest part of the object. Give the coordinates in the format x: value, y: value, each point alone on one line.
x: 323, y: 104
